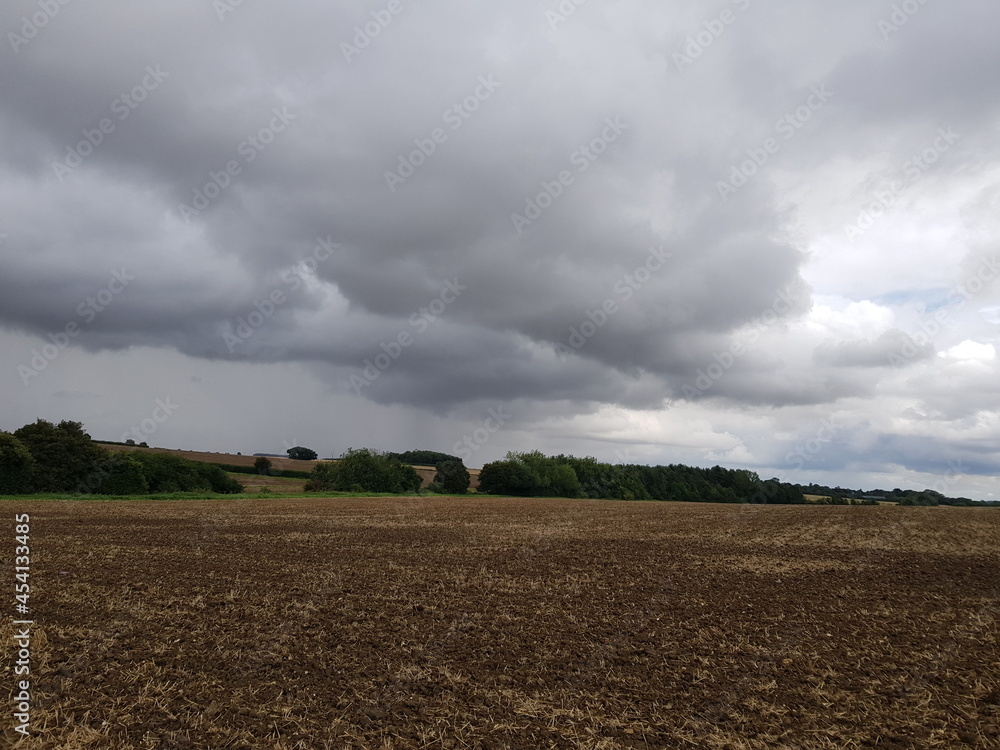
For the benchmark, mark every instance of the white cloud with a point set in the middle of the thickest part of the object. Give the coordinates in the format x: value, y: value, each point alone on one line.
x: 971, y: 350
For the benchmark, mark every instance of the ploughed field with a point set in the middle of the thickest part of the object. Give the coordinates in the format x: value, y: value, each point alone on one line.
x: 493, y: 623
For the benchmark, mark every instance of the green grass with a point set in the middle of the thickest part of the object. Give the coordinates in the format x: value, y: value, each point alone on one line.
x: 248, y: 477
x: 67, y: 497
x: 64, y: 497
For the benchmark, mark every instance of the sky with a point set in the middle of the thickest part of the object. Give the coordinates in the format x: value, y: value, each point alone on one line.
x: 749, y: 233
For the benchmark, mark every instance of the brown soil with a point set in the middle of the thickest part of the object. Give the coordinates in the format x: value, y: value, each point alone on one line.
x: 493, y: 624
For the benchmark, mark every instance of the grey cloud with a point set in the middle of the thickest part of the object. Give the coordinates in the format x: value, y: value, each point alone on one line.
x: 349, y: 123
x: 891, y: 349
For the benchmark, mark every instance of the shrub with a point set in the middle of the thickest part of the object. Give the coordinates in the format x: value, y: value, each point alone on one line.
x: 121, y: 474
x: 452, y: 477
x: 364, y: 470
x: 563, y: 481
x: 507, y: 478
x: 166, y: 473
x: 288, y: 473
x: 17, y: 467
x: 423, y: 458
x: 218, y: 480
x: 64, y: 455
x: 630, y: 487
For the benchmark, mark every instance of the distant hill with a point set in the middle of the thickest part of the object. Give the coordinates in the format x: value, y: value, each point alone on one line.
x: 232, y: 459
x: 282, y: 464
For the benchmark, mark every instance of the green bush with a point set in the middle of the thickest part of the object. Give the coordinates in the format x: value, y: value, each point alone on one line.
x: 364, y: 470
x: 531, y: 474
x: 507, y: 478
x: 17, y: 467
x: 121, y: 474
x: 64, y: 455
x: 630, y: 487
x: 167, y: 473
x: 452, y: 477
x: 423, y: 458
x: 287, y: 473
x: 563, y: 481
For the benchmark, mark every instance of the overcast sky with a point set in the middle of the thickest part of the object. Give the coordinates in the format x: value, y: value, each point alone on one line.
x: 761, y: 234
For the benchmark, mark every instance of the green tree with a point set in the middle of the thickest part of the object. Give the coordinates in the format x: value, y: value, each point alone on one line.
x: 364, y: 470
x: 65, y: 456
x: 453, y: 477
x: 166, y: 473
x: 121, y: 474
x: 563, y: 481
x: 302, y: 454
x: 216, y: 479
x: 629, y: 485
x: 745, y: 483
x: 423, y: 458
x: 406, y: 478
x: 507, y: 478
x: 17, y: 467
x: 262, y: 465
x: 323, y: 478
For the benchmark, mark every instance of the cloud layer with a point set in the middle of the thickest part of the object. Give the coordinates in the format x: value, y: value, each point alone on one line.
x: 726, y: 222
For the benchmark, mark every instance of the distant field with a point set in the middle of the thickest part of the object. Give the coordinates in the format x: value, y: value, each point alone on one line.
x: 816, y: 498
x: 391, y: 623
x: 232, y: 459
x: 426, y: 473
x: 278, y: 485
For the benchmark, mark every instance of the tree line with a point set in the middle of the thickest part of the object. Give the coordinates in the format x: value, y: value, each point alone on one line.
x: 534, y: 474
x: 366, y: 470
x: 47, y: 458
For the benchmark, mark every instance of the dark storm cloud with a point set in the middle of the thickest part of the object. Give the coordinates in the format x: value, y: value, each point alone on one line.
x: 566, y: 175
x: 508, y: 128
